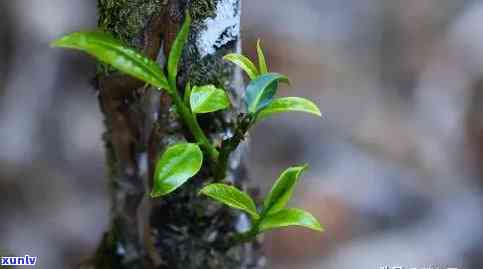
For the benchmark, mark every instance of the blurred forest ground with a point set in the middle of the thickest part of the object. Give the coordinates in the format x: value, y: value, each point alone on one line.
x: 396, y: 161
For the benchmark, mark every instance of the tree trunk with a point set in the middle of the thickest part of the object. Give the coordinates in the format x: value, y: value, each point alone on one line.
x: 181, y: 230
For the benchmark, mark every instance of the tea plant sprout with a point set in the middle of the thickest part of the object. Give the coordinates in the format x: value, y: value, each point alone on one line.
x: 182, y: 161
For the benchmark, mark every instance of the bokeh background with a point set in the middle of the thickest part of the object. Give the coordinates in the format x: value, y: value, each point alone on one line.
x: 396, y: 162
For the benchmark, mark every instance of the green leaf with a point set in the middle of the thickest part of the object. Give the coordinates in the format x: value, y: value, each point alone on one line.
x: 260, y: 91
x: 232, y: 197
x: 208, y: 98
x: 290, y: 217
x: 282, y: 190
x: 177, y: 164
x: 177, y: 49
x: 289, y: 104
x: 244, y: 63
x: 261, y: 59
x: 111, y: 51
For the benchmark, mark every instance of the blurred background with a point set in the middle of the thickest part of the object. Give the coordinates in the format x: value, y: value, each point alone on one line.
x: 396, y: 162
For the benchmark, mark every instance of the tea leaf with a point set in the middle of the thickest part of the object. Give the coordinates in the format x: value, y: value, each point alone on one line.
x: 177, y: 49
x: 208, y: 98
x: 111, y: 51
x: 289, y: 104
x: 290, y: 217
x: 177, y: 164
x: 260, y: 91
x: 282, y: 190
x: 231, y: 197
x: 244, y: 63
x: 261, y: 59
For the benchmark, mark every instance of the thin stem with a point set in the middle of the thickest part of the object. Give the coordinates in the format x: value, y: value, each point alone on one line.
x: 246, y: 236
x: 193, y: 125
x: 229, y: 145
x: 187, y: 93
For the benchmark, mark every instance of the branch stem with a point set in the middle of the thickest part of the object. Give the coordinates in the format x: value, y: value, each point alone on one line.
x: 229, y: 145
x: 192, y: 124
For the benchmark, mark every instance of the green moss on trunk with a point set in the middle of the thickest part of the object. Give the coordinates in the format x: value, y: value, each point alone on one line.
x: 126, y: 19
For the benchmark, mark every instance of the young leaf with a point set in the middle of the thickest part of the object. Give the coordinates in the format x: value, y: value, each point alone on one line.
x: 288, y: 104
x: 290, y: 217
x: 208, y: 98
x: 244, y: 63
x: 260, y: 91
x: 177, y: 49
x: 282, y: 190
x: 111, y: 51
x: 177, y: 164
x: 232, y: 197
x: 261, y: 59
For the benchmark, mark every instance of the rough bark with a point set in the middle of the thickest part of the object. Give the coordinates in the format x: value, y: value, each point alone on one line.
x: 182, y: 230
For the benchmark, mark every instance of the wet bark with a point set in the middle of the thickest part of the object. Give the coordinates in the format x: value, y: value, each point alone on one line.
x: 181, y: 230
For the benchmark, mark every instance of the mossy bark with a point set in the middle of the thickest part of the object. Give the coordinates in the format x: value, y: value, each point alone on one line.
x: 181, y: 230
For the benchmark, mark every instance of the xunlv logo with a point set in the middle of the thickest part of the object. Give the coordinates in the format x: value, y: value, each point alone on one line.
x: 25, y: 260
